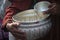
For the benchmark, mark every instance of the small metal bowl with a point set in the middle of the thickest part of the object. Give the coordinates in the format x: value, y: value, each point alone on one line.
x: 42, y: 6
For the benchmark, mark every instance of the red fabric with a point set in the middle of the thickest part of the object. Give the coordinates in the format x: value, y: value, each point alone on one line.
x: 18, y: 4
x: 22, y: 5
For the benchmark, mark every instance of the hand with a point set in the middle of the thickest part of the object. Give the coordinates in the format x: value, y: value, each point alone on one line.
x: 12, y: 27
x: 52, y: 9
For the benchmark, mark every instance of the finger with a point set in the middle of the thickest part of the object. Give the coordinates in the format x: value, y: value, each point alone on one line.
x: 14, y: 30
x: 49, y: 10
x: 11, y: 25
x: 45, y: 12
x: 18, y: 31
x: 52, y: 6
x: 8, y: 20
x: 15, y: 24
x: 19, y: 35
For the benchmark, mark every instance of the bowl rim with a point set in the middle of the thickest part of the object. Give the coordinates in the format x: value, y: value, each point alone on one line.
x: 29, y: 21
x: 41, y: 2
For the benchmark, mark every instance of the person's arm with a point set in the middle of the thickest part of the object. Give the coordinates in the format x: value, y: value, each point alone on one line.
x: 10, y: 11
x: 11, y: 27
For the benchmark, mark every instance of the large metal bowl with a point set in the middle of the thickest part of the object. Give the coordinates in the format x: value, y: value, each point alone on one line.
x: 34, y: 32
x: 33, y: 24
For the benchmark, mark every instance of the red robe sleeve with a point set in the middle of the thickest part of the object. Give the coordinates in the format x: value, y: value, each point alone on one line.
x: 16, y: 5
x: 9, y: 13
x: 22, y: 5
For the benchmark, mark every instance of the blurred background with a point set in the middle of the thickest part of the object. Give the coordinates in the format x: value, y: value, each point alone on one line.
x: 54, y: 33
x: 3, y: 5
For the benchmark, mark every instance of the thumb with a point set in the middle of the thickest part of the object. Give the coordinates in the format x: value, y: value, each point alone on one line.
x: 16, y: 23
x: 52, y: 6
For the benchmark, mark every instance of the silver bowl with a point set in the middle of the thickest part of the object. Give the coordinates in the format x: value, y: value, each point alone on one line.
x: 32, y: 29
x: 42, y: 6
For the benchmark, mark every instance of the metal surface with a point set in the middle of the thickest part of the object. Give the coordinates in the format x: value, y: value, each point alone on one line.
x: 42, y: 6
x: 36, y: 31
x: 34, y: 28
x: 29, y: 16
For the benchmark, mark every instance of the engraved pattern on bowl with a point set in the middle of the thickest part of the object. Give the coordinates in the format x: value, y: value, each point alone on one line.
x: 29, y: 16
